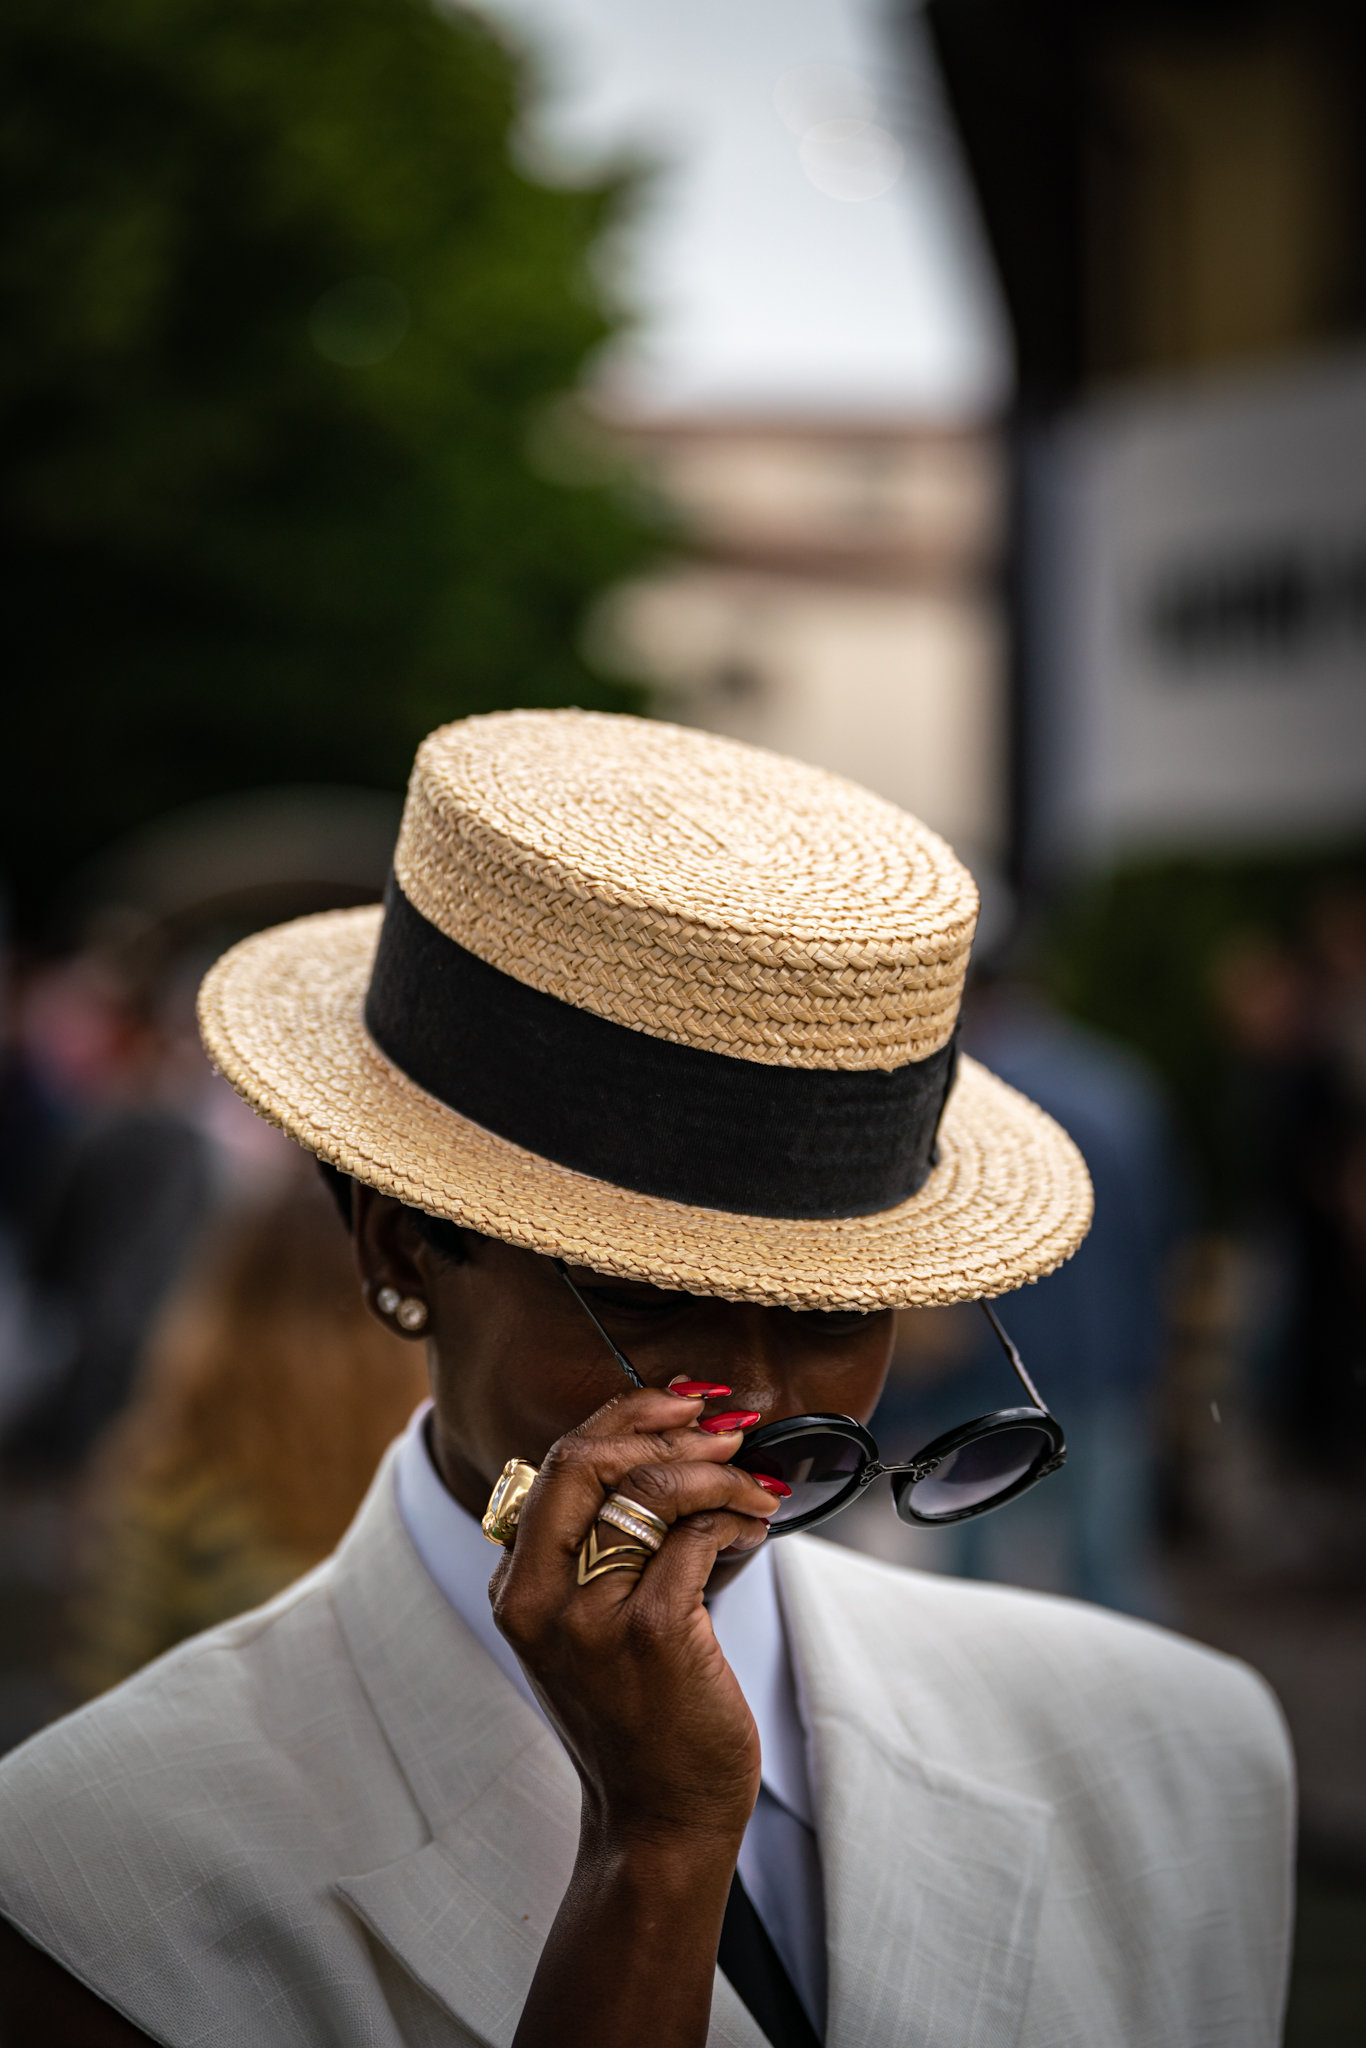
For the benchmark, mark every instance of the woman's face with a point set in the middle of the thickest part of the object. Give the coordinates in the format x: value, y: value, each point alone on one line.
x: 516, y: 1363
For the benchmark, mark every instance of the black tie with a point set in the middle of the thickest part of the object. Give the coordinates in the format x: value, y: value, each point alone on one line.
x: 756, y: 1972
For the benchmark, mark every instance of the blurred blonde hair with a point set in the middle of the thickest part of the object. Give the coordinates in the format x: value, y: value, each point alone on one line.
x: 267, y: 1398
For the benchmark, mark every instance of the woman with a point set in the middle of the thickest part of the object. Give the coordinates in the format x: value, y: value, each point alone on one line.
x: 646, y: 1102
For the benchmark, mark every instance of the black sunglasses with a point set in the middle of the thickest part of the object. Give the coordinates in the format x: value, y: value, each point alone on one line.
x: 828, y: 1461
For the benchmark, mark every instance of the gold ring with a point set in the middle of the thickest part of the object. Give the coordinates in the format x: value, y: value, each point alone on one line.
x: 594, y: 1559
x: 505, y: 1502
x: 631, y: 1521
x: 645, y: 1515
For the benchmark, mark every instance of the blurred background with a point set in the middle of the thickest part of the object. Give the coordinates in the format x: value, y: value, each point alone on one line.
x: 970, y: 398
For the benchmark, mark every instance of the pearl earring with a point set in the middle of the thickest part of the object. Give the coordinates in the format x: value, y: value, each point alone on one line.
x: 411, y: 1313
x: 387, y: 1300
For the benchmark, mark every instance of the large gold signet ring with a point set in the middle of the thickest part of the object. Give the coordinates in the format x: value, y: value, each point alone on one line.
x: 594, y: 1559
x: 505, y: 1502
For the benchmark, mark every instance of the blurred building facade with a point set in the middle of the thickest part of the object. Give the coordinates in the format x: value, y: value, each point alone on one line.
x: 1168, y: 186
x: 808, y: 386
x: 836, y: 601
x: 1175, y: 198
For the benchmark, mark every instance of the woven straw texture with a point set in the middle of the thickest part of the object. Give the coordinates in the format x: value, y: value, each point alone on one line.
x: 281, y: 1018
x: 690, y: 887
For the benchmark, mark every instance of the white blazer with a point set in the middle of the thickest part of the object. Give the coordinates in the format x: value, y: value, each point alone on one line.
x: 333, y: 1822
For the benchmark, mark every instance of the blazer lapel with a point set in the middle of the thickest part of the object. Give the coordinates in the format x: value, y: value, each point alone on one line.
x: 933, y: 1879
x: 465, y: 1914
x: 468, y: 1913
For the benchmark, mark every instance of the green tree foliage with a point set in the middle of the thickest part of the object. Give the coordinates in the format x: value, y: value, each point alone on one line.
x: 276, y: 308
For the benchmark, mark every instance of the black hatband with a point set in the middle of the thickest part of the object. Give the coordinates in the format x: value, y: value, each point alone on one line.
x: 663, y: 1119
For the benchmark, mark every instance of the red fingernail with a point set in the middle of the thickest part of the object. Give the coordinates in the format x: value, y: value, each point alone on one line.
x: 725, y: 1425
x: 695, y: 1390
x: 778, y: 1486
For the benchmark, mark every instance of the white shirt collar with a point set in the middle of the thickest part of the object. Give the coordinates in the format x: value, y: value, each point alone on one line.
x: 748, y: 1620
x: 747, y: 1616
x: 453, y: 1547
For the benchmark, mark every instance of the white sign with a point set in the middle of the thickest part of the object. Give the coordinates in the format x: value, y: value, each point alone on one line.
x: 1203, y: 619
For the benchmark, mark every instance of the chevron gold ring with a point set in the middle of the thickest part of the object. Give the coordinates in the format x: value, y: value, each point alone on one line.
x: 646, y: 1530
x: 595, y: 1558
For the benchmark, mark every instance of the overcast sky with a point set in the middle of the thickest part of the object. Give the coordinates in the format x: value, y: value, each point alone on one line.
x: 809, y: 245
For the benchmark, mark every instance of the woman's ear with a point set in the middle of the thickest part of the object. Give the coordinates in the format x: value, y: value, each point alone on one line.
x: 392, y: 1258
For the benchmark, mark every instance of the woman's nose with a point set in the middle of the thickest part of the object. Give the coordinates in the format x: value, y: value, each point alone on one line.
x: 755, y: 1362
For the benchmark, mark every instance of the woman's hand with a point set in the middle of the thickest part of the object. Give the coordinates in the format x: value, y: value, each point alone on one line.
x: 628, y: 1669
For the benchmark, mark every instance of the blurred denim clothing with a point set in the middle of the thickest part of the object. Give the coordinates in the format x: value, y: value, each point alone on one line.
x: 33, y: 1126
x: 32, y: 1130
x: 126, y: 1203
x: 1091, y: 1334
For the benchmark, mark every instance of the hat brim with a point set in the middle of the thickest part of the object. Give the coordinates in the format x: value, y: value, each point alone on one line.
x: 281, y: 1017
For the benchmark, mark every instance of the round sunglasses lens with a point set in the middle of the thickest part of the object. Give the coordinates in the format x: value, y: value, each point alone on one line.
x: 978, y: 1471
x: 818, y: 1467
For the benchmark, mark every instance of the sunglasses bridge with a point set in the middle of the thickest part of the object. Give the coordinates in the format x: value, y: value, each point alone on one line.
x: 916, y: 1469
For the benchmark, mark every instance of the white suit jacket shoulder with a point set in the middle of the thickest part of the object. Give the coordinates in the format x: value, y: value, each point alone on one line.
x: 1028, y: 1689
x: 182, y: 1834
x: 1164, y: 1769
x: 334, y: 1822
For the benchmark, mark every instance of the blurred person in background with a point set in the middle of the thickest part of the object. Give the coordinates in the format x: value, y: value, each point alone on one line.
x: 29, y: 1121
x: 143, y: 1142
x: 1293, y: 1012
x: 266, y: 1401
x: 1327, y: 1411
x: 1262, y: 996
x: 113, y: 1209
x: 1098, y: 1321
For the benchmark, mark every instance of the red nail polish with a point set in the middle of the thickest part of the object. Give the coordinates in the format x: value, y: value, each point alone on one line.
x: 778, y: 1486
x: 695, y: 1390
x: 724, y: 1425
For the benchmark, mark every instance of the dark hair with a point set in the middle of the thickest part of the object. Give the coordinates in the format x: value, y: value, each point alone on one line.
x: 438, y: 1231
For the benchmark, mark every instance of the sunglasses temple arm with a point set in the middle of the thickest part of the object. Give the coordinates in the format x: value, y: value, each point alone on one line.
x: 622, y: 1360
x: 1013, y: 1355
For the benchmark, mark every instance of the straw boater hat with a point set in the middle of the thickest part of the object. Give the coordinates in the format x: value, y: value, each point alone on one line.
x: 666, y: 1006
